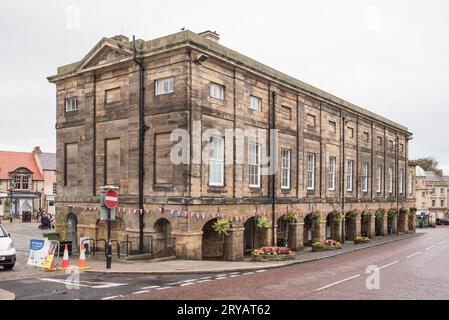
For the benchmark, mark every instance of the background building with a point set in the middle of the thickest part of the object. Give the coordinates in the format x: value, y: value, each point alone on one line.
x: 115, y: 116
x: 47, y: 166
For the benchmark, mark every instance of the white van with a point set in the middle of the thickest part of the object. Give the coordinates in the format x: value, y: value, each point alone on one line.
x: 7, y: 250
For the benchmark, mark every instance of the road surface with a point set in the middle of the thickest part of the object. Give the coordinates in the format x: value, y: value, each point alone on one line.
x: 414, y: 268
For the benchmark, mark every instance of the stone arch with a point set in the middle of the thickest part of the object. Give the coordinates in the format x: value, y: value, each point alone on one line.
x: 334, y: 227
x: 72, y: 230
x: 283, y: 231
x: 212, y: 243
x: 329, y: 227
x: 162, y: 240
x: 311, y: 230
x: 250, y: 235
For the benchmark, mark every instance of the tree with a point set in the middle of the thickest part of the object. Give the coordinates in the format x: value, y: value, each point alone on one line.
x: 428, y: 164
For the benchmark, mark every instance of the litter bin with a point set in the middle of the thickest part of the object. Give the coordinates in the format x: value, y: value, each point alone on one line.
x: 51, y: 235
x: 26, y: 216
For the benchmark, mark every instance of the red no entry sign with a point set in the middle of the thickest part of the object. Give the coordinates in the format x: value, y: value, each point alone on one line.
x: 111, y: 200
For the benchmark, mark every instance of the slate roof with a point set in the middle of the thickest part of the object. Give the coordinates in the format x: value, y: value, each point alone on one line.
x: 47, y: 161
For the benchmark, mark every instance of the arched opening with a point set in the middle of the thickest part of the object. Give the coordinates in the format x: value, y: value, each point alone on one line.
x: 379, y: 225
x: 365, y: 226
x: 212, y: 243
x: 390, y: 225
x: 72, y: 231
x: 162, y: 241
x: 282, y: 232
x: 250, y: 235
x: 329, y: 227
x: 308, y: 230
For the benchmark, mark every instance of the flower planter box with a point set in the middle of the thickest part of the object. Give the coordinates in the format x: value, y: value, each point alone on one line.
x: 325, y: 248
x: 284, y: 257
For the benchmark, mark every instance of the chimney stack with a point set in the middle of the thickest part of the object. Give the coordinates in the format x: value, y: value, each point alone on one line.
x: 37, y: 150
x: 210, y: 35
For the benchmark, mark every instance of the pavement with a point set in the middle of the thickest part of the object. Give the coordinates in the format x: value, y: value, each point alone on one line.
x: 6, y: 295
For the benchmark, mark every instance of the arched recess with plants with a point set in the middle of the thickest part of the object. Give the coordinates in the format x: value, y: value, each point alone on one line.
x: 213, y: 238
x: 285, y: 236
x: 368, y: 228
x: 311, y: 230
x: 380, y: 222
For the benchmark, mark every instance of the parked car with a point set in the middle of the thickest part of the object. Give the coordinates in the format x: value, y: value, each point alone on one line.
x: 7, y: 250
x: 442, y: 222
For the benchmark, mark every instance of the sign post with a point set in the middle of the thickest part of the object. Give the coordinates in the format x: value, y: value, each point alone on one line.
x: 109, y: 201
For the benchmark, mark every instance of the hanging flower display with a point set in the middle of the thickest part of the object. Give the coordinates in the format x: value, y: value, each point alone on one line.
x: 380, y: 213
x: 262, y: 222
x: 337, y: 216
x: 393, y: 213
x: 368, y: 213
x: 354, y: 213
x: 316, y: 216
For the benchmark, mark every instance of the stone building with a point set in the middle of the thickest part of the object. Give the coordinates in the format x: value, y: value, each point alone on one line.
x: 431, y: 195
x: 21, y: 184
x: 46, y: 163
x: 117, y: 111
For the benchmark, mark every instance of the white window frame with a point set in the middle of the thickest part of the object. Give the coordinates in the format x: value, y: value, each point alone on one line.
x: 350, y: 176
x: 164, y: 86
x: 254, y: 153
x: 311, y: 162
x: 410, y: 184
x: 216, y: 161
x: 401, y: 181
x: 331, y: 175
x: 365, y: 168
x: 255, y: 103
x: 216, y: 91
x: 390, y: 180
x: 71, y: 104
x: 285, y: 169
x: 379, y: 179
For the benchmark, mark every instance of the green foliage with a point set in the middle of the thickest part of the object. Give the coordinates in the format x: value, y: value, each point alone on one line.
x: 428, y: 164
x: 291, y: 216
x: 413, y: 210
x: 354, y: 213
x: 393, y: 213
x: 222, y: 226
x: 262, y: 222
x: 316, y: 216
x: 380, y: 213
x: 337, y: 216
x: 404, y: 211
x: 368, y: 213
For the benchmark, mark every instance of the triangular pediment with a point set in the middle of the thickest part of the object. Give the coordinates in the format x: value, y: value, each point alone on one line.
x: 105, y: 52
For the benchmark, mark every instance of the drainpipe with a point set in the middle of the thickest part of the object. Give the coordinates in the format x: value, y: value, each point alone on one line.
x: 273, y: 163
x: 141, y: 142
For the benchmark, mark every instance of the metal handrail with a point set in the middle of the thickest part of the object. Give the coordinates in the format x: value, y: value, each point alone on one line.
x: 128, y: 244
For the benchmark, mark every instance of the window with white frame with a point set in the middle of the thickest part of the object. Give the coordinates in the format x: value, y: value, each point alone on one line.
x: 254, y: 165
x: 410, y: 184
x: 331, y: 177
x: 216, y: 91
x: 285, y: 168
x: 310, y: 171
x: 71, y: 104
x: 216, y: 162
x: 379, y: 179
x: 401, y: 181
x: 21, y: 182
x: 165, y: 86
x: 255, y: 103
x: 350, y: 176
x: 365, y: 177
x: 390, y: 180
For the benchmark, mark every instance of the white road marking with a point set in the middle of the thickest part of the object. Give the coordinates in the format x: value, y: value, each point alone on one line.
x: 220, y: 278
x: 143, y: 291
x: 338, y: 282
x: 261, y: 271
x: 415, y: 254
x: 234, y: 272
x: 150, y: 287
x: 205, y: 280
x: 87, y: 284
x: 221, y: 275
x: 163, y: 288
x: 441, y: 242
x: 187, y: 284
x: 109, y: 298
x: 430, y: 247
x: 234, y: 275
x: 248, y: 273
x: 388, y: 265
x: 190, y: 280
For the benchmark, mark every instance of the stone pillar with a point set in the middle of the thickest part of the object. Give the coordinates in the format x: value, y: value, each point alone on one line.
x: 296, y: 237
x: 321, y: 232
x: 233, y: 245
x: 403, y: 222
x: 395, y: 225
x: 188, y: 245
x: 384, y: 226
x: 337, y: 231
x: 371, y: 230
x: 264, y: 238
x: 412, y: 223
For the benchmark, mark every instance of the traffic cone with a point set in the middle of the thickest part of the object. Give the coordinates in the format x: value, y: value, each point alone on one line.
x: 82, y: 261
x: 65, y: 259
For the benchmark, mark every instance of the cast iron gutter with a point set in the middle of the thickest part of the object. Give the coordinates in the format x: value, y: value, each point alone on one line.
x: 273, y: 164
x: 141, y: 142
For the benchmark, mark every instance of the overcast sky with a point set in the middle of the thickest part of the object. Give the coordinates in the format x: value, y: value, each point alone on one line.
x: 388, y: 56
